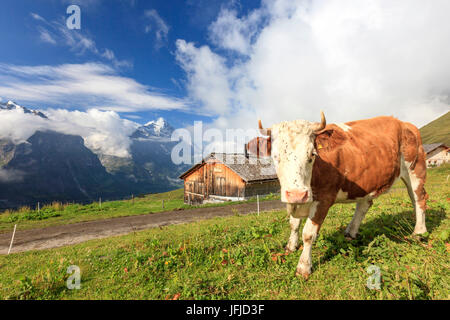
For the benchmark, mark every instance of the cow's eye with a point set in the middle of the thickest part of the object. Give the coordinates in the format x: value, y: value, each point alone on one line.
x: 312, y: 156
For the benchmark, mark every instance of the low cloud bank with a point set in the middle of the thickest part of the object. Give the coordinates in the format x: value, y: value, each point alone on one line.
x: 103, y: 131
x: 7, y: 176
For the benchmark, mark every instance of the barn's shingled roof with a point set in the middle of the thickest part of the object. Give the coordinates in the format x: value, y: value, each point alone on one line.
x: 430, y: 147
x: 250, y: 168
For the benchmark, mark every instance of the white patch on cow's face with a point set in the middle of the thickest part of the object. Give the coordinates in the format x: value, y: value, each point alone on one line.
x: 293, y: 156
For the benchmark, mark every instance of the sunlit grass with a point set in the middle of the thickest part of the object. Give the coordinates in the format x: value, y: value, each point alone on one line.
x: 242, y: 257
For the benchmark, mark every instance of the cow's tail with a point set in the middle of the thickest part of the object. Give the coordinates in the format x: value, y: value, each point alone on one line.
x: 411, y: 145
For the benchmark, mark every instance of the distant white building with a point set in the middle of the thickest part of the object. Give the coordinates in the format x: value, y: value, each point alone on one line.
x: 437, y: 154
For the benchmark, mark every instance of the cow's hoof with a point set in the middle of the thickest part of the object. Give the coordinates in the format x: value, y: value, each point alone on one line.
x: 419, y: 231
x: 348, y: 237
x: 303, y: 274
x: 288, y: 250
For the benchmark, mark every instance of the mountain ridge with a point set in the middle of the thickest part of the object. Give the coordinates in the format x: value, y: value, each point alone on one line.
x: 10, y: 105
x: 55, y: 166
x: 159, y: 128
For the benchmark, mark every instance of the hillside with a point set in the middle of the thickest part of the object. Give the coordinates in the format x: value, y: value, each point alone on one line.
x: 437, y: 130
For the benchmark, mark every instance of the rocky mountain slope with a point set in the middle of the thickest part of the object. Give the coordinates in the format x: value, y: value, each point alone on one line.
x: 53, y: 166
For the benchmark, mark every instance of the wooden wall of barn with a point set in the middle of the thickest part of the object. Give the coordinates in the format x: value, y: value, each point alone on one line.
x: 213, y: 178
x: 260, y: 188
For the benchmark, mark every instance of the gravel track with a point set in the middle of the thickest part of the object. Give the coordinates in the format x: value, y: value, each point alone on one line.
x: 64, y: 235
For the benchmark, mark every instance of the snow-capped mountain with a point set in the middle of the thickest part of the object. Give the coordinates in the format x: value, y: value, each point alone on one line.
x: 10, y: 105
x: 154, y: 129
x: 53, y: 166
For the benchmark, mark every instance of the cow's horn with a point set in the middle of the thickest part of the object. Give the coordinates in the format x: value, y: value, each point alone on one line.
x: 264, y: 132
x: 320, y: 126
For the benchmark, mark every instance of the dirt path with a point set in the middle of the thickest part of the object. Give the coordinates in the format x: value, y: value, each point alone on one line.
x: 58, y: 236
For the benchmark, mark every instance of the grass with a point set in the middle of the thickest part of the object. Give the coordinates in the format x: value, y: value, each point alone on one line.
x: 59, y: 214
x: 437, y: 130
x: 242, y: 257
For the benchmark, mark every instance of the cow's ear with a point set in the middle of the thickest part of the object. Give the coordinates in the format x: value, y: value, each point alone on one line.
x: 269, y: 146
x: 328, y: 139
x: 259, y: 146
x: 264, y: 148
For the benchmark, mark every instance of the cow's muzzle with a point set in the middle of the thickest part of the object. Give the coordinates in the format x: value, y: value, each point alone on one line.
x: 297, y: 196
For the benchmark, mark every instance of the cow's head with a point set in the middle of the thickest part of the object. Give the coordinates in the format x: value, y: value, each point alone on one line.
x: 293, y: 154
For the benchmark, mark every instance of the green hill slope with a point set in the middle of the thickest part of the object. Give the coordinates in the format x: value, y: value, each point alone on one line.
x: 437, y: 130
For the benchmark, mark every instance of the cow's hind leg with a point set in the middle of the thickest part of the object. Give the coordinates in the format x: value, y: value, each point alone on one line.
x: 414, y: 180
x: 362, y: 206
x: 414, y: 173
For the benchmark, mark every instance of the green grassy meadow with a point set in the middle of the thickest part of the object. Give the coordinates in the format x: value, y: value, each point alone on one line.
x: 60, y: 214
x: 242, y: 257
x: 437, y: 130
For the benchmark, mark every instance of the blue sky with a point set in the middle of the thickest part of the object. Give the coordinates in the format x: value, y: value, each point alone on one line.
x: 140, y: 34
x: 229, y: 63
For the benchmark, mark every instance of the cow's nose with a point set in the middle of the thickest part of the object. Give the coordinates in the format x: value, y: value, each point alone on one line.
x: 296, y: 196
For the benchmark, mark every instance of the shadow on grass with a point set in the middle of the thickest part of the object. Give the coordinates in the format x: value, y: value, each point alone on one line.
x: 396, y: 227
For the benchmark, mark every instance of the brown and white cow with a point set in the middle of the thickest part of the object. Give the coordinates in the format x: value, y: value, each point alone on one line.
x: 319, y: 165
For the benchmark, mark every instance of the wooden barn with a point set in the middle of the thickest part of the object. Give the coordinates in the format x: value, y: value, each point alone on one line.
x: 222, y: 177
x: 437, y: 154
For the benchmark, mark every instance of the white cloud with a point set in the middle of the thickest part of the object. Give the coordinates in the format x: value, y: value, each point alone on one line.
x: 207, y: 76
x: 78, y: 41
x: 10, y: 175
x: 133, y: 116
x: 46, y: 37
x: 103, y: 131
x: 109, y: 54
x: 353, y: 59
x: 230, y: 32
x: 37, y: 17
x: 17, y: 126
x: 158, y: 26
x: 83, y: 86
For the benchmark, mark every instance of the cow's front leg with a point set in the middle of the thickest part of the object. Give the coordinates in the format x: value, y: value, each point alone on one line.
x: 310, y: 231
x: 296, y: 213
x: 317, y: 213
x: 293, y: 238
